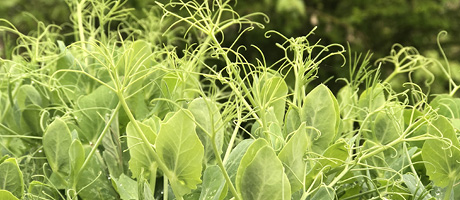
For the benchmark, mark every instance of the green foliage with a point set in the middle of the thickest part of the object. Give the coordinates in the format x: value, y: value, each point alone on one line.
x: 163, y: 108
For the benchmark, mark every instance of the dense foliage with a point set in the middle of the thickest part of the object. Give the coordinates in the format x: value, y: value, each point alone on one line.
x: 166, y: 106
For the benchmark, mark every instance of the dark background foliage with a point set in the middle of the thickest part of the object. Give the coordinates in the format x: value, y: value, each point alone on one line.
x: 366, y: 25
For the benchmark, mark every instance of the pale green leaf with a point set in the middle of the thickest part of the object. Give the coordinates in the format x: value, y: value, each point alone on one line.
x: 416, y: 187
x: 370, y: 100
x: 324, y: 193
x: 292, y: 156
x: 126, y: 187
x: 261, y: 175
x: 209, y: 119
x: 76, y: 156
x: 441, y: 156
x: 141, y: 158
x: 93, y: 182
x: 213, y: 187
x: 56, y: 143
x: 42, y: 190
x: 234, y: 159
x: 92, y: 110
x: 181, y: 151
x: 7, y: 195
x: 11, y: 178
x: 320, y: 110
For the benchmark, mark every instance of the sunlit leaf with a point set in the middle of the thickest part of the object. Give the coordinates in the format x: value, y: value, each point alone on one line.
x: 261, y: 175
x: 320, y: 110
x: 441, y: 156
x: 181, y: 151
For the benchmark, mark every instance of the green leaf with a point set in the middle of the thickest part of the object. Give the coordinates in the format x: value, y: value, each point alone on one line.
x: 292, y: 157
x: 261, y: 175
x: 446, y: 105
x: 347, y: 100
x: 324, y: 193
x: 126, y: 187
x: 441, y: 156
x: 7, y: 195
x: 234, y: 159
x: 28, y: 95
x: 30, y: 104
x: 271, y: 91
x: 56, y: 144
x: 209, y: 121
x: 141, y: 159
x: 76, y: 157
x: 11, y: 178
x: 39, y: 189
x: 370, y: 100
x: 92, y: 110
x: 181, y: 151
x: 213, y: 187
x: 112, y: 153
x: 333, y: 157
x: 93, y: 182
x: 292, y: 122
x: 386, y: 124
x: 136, y: 64
x: 320, y: 110
x: 416, y: 187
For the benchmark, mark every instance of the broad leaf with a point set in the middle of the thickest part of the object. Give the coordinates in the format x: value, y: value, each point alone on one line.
x: 441, y: 156
x: 210, y: 123
x: 92, y: 110
x: 320, y: 110
x: 324, y: 193
x: 261, y: 175
x: 7, y: 195
x: 446, y: 105
x: 292, y: 122
x: 11, y: 178
x: 292, y: 157
x: 271, y: 91
x: 181, y: 151
x: 93, y: 182
x: 213, y: 187
x: 370, y: 100
x: 386, y: 125
x: 234, y: 159
x: 416, y: 187
x: 56, y: 143
x: 42, y: 190
x: 126, y: 187
x: 141, y: 159
x: 76, y: 157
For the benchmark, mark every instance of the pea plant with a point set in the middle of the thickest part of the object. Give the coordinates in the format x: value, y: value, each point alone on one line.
x: 160, y: 108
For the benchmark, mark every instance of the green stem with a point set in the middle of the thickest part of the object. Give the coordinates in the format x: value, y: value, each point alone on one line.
x: 81, y: 30
x: 232, y: 140
x: 165, y: 188
x: 449, y: 190
x: 98, y: 142
x: 222, y: 168
x: 392, y: 75
x: 155, y: 156
x: 383, y: 148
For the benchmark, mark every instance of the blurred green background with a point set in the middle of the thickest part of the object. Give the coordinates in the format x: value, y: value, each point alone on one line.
x: 366, y: 25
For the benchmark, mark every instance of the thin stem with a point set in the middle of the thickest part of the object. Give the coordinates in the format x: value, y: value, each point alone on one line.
x: 222, y: 168
x: 81, y: 29
x: 98, y: 142
x: 165, y: 188
x: 154, y: 154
